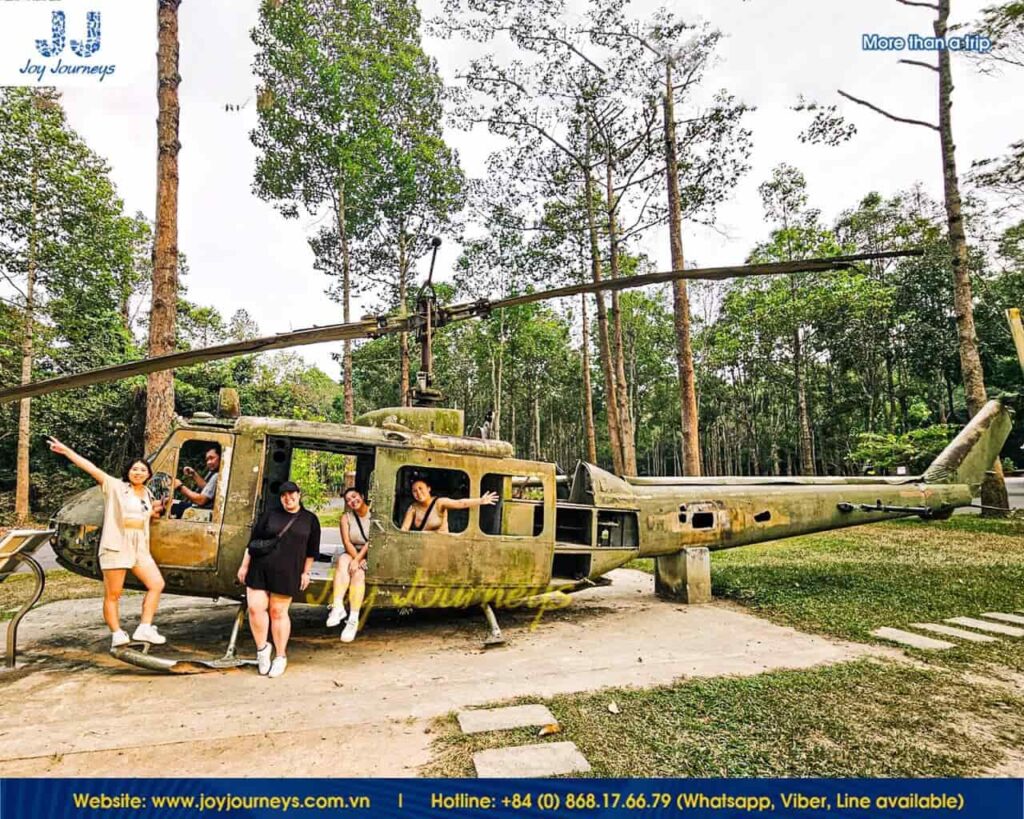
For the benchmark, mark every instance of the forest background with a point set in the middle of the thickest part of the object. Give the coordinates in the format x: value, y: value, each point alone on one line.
x: 832, y: 373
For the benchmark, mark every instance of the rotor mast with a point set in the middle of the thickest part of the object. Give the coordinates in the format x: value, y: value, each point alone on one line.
x: 424, y: 394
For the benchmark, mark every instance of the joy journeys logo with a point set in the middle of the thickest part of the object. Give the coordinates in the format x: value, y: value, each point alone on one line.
x: 84, y: 49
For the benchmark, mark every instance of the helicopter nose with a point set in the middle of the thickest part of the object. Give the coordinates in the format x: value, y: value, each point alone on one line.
x: 77, y: 535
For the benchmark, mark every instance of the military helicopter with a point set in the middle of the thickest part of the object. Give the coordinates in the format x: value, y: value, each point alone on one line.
x: 547, y: 535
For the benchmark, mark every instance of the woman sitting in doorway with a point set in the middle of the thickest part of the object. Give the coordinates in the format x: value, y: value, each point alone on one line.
x: 350, y: 564
x: 429, y: 514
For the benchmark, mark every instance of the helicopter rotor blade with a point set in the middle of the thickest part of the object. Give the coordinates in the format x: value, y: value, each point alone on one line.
x: 459, y: 311
x: 366, y: 328
x: 375, y: 326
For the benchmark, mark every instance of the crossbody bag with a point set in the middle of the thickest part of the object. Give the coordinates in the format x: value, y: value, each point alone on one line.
x: 261, y: 547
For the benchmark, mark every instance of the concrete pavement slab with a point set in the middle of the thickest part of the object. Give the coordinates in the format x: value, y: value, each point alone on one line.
x: 908, y: 638
x: 548, y: 759
x: 949, y: 631
x: 982, y: 625
x: 500, y: 719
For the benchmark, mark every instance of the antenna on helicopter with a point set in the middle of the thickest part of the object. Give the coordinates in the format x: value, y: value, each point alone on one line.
x: 424, y: 394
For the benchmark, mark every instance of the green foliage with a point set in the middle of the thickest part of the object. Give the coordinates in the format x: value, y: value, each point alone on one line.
x: 352, y: 120
x: 882, y: 452
x: 879, y: 341
x: 62, y: 224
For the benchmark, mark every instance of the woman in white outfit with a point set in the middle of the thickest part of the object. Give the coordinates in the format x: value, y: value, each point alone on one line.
x: 350, y: 569
x: 128, y: 507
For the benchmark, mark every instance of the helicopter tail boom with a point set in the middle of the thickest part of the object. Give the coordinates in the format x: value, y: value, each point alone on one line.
x: 971, y: 454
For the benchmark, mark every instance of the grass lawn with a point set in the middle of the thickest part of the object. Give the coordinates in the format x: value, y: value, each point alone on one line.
x: 60, y: 585
x: 866, y: 718
x: 853, y: 719
x: 329, y: 518
x: 849, y: 582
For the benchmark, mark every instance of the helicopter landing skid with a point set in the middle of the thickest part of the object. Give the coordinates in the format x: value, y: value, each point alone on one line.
x: 132, y: 655
x: 495, y: 638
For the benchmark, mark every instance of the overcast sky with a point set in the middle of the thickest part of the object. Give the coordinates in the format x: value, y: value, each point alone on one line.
x: 243, y: 254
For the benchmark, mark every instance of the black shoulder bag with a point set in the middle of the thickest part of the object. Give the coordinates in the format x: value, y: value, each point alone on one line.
x: 261, y: 547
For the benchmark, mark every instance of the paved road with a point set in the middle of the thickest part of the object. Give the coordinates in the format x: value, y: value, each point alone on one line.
x: 1014, y: 486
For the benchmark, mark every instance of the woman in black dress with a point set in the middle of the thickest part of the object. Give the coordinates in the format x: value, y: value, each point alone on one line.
x: 272, y: 580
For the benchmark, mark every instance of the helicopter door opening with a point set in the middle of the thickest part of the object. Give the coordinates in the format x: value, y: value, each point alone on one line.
x: 323, y: 470
x: 187, y: 535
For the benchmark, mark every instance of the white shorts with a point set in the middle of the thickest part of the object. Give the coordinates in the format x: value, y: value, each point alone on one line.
x: 134, y: 551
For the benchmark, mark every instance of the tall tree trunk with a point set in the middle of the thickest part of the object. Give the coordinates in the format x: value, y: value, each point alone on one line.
x: 403, y: 338
x: 618, y: 347
x: 588, y: 395
x: 806, y: 450
x: 604, y: 345
x: 680, y: 297
x: 536, y: 426
x: 499, y: 391
x: 993, y: 490
x: 512, y: 416
x: 163, y: 313
x: 21, y: 492
x: 346, y: 302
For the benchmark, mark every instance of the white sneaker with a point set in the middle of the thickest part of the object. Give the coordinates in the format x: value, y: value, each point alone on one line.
x: 119, y: 638
x: 336, y: 616
x: 263, y: 659
x: 348, y: 634
x: 278, y: 666
x: 147, y: 633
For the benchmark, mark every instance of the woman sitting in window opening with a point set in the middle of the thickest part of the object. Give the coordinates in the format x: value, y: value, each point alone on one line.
x: 429, y: 514
x: 128, y: 506
x: 350, y: 564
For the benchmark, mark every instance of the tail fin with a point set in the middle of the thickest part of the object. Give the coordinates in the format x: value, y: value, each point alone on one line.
x: 971, y: 454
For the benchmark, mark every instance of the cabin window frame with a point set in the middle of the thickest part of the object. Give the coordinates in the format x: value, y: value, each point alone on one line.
x: 171, y: 449
x: 539, y: 506
x: 402, y: 491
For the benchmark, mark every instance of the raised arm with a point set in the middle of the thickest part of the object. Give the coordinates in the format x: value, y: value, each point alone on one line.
x: 486, y: 499
x: 84, y: 464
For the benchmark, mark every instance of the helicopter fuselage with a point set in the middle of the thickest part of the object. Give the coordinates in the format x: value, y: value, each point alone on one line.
x: 545, y: 533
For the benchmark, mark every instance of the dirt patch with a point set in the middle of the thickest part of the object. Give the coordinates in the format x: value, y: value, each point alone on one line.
x: 81, y: 712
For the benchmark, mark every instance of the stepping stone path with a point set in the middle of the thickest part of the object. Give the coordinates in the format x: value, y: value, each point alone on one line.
x: 982, y: 625
x: 543, y: 759
x: 548, y: 759
x: 1006, y: 618
x: 500, y: 719
x: 908, y: 638
x: 949, y: 631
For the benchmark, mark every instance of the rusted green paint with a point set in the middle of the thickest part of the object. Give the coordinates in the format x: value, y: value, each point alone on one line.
x: 437, y: 420
x: 425, y: 569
